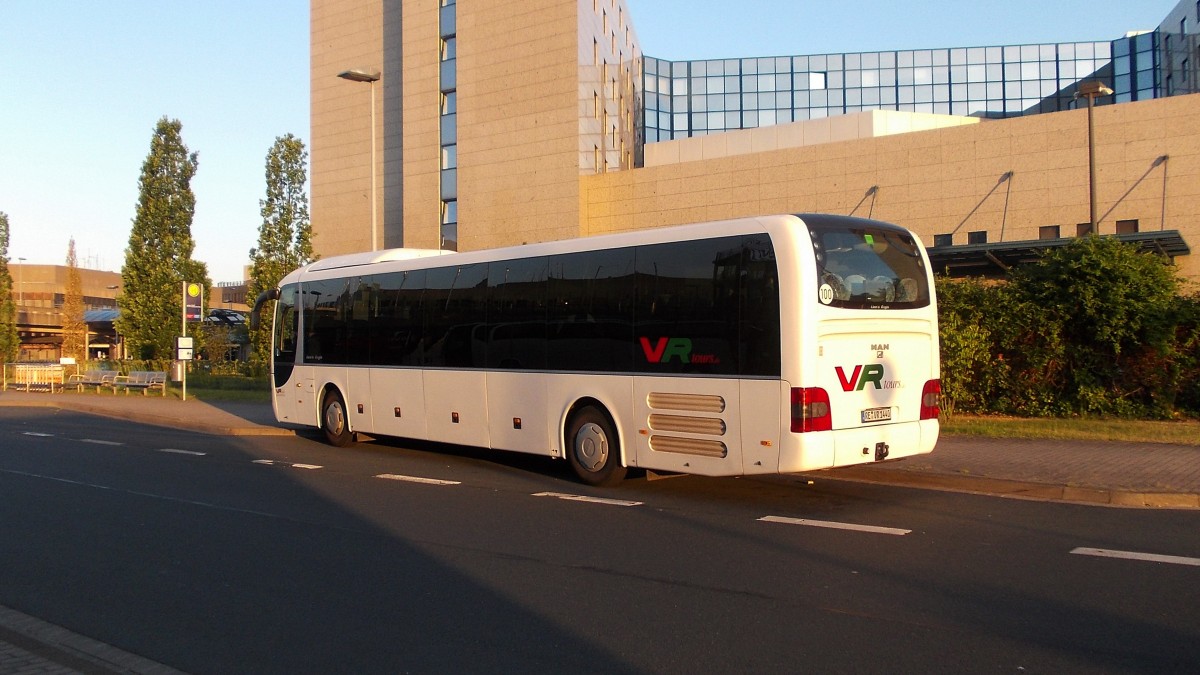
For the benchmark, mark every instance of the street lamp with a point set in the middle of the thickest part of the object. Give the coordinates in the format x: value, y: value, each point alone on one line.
x: 1091, y: 90
x: 370, y: 77
x: 21, y: 283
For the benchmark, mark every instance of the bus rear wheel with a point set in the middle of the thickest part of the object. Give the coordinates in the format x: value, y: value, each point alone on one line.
x: 334, y: 421
x: 593, y: 448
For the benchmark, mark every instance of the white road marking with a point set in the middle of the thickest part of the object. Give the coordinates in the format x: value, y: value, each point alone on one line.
x: 99, y: 442
x: 835, y: 525
x: 271, y: 462
x: 417, y: 479
x: 39, y: 435
x: 173, y: 451
x: 1134, y: 555
x: 590, y: 500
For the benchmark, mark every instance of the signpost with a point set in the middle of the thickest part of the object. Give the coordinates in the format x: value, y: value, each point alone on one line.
x: 193, y: 310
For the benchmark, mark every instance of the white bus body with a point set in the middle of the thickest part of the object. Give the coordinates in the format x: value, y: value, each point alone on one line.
x: 759, y: 345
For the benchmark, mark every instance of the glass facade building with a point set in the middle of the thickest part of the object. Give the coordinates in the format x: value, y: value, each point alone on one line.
x: 694, y: 98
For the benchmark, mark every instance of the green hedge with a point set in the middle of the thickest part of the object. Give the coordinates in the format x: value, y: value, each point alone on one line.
x: 1094, y: 328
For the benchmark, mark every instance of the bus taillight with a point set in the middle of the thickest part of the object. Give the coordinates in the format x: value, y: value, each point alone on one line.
x: 810, y: 410
x: 931, y: 400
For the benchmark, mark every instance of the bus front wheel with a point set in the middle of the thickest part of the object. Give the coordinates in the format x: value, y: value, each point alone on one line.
x: 334, y: 420
x: 594, y: 449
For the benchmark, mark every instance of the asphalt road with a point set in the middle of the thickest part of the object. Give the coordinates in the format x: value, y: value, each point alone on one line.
x: 263, y: 555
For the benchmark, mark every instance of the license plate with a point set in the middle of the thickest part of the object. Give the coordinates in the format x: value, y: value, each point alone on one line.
x: 876, y: 415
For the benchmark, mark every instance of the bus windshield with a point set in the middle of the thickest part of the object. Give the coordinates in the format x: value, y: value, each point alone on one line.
x: 868, y: 267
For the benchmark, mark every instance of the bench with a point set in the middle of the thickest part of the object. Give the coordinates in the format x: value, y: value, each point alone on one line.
x: 142, y: 379
x: 36, y: 376
x: 96, y: 378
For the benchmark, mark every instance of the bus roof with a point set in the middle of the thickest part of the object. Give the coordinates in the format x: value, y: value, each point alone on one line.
x: 615, y: 240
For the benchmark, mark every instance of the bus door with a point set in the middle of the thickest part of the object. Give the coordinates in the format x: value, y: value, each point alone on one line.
x: 283, y: 357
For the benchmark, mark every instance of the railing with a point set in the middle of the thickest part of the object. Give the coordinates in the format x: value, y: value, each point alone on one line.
x: 33, y: 376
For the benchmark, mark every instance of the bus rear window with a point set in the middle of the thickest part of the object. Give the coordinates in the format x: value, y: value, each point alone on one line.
x: 869, y: 267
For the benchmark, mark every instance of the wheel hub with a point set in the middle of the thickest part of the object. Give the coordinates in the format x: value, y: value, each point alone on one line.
x: 591, y: 447
x: 335, y: 418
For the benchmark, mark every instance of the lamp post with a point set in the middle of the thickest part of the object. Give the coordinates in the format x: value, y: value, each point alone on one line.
x: 1091, y: 90
x: 370, y: 77
x: 116, y: 346
x: 21, y: 283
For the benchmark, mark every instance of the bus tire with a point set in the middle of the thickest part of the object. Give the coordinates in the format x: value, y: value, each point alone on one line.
x: 593, y: 448
x: 334, y: 420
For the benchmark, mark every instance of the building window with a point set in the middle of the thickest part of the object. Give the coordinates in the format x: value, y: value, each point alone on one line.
x: 977, y: 237
x: 943, y: 239
x: 1083, y: 229
x: 1127, y: 226
x: 448, y: 131
x: 1048, y: 232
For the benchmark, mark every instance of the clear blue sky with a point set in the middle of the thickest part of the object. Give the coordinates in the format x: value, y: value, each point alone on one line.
x: 82, y: 85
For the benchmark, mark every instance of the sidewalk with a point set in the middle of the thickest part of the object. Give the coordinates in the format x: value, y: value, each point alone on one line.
x: 1116, y: 473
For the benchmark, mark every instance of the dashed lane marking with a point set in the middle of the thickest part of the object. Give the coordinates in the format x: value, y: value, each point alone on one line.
x: 272, y: 462
x: 872, y: 529
x: 96, y: 441
x: 175, y: 451
x: 38, y: 434
x: 417, y: 479
x: 1134, y: 555
x: 590, y: 500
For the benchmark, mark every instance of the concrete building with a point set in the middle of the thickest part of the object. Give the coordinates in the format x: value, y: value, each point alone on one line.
x: 503, y: 122
x: 40, y: 290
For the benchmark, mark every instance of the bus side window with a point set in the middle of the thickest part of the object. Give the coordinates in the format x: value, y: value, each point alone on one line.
x: 286, y: 324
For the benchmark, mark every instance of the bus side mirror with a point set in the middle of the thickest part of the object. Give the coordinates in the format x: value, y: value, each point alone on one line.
x: 255, y: 321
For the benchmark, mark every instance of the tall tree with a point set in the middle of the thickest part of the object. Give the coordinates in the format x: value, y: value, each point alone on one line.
x: 74, y: 327
x: 285, y: 235
x: 10, y: 340
x: 159, y: 257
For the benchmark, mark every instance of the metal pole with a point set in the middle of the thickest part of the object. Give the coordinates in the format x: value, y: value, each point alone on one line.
x: 1092, y: 166
x: 183, y: 332
x: 374, y: 191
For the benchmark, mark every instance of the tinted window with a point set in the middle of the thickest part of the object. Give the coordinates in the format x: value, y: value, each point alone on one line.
x: 517, y: 314
x: 396, y: 337
x: 758, y: 329
x: 455, y: 316
x: 688, y: 306
x: 590, y: 311
x: 323, y: 304
x: 868, y: 267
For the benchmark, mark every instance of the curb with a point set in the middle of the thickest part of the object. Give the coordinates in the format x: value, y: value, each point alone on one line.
x: 1000, y: 487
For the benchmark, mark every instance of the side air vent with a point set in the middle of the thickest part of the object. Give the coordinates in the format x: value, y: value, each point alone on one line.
x: 688, y: 446
x: 687, y: 402
x: 709, y: 426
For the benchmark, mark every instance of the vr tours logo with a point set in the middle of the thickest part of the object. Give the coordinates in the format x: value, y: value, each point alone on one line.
x: 666, y: 349
x: 862, y: 375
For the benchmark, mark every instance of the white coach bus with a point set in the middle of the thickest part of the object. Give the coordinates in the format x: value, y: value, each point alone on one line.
x: 757, y: 345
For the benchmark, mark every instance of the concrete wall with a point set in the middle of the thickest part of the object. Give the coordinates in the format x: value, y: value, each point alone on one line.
x: 939, y: 180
